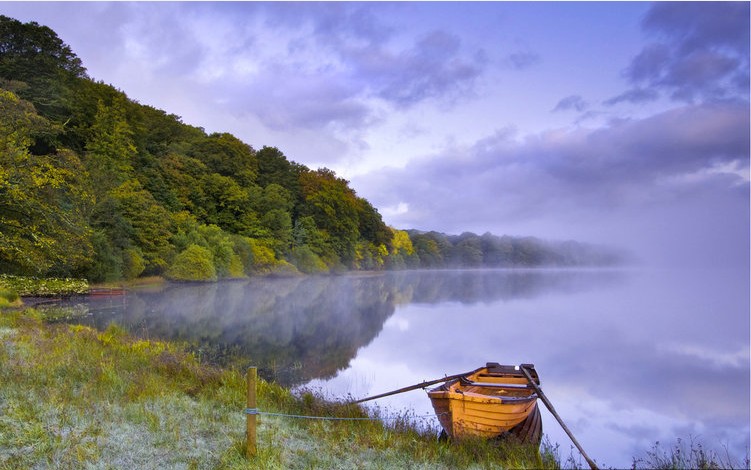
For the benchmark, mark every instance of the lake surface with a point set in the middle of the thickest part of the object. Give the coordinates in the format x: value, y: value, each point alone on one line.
x: 628, y: 357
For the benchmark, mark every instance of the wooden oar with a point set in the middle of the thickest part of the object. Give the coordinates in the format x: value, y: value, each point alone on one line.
x: 545, y: 400
x: 416, y: 386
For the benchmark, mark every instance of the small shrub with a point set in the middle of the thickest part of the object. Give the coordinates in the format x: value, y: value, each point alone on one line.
x: 262, y: 256
x: 283, y: 268
x: 307, y: 261
x: 235, y: 268
x: 265, y: 262
x: 133, y: 263
x: 193, y: 264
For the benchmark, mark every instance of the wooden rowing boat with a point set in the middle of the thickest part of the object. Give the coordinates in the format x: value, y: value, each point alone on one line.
x: 490, y: 402
x: 106, y: 291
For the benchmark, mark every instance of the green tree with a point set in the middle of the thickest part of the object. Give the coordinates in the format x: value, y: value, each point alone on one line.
x: 42, y: 198
x: 369, y: 256
x: 133, y: 263
x: 497, y: 251
x: 305, y: 232
x: 35, y: 55
x: 273, y: 205
x: 272, y: 196
x: 431, y: 248
x: 334, y: 207
x: 226, y: 204
x: 182, y: 177
x: 274, y: 168
x: 228, y: 156
x: 370, y: 224
x: 264, y: 261
x: 107, y: 262
x: 278, y: 224
x: 229, y: 253
x: 151, y: 224
x: 468, y: 251
x: 157, y: 133
x: 221, y: 246
x: 110, y: 150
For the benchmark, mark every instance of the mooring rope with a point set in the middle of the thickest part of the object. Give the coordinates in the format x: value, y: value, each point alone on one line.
x: 256, y: 411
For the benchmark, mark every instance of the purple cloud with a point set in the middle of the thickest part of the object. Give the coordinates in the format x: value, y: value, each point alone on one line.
x: 522, y: 60
x: 433, y: 68
x: 679, y: 157
x: 701, y: 52
x: 635, y: 95
x: 574, y: 102
x: 363, y: 59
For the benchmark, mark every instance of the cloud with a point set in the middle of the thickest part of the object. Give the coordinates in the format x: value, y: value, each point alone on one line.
x: 581, y: 182
x: 337, y: 67
x: 433, y: 68
x: 522, y: 60
x: 351, y: 55
x: 700, y: 52
x: 574, y: 102
x: 634, y: 95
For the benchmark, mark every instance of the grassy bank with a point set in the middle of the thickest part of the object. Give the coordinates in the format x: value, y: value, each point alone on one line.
x: 72, y: 397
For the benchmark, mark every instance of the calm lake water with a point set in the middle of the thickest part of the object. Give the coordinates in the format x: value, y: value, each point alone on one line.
x: 628, y: 357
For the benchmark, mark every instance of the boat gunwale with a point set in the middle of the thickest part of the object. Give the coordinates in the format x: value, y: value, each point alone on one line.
x: 483, y: 398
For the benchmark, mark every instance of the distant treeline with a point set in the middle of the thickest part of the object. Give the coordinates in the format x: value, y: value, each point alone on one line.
x: 96, y: 185
x: 468, y: 250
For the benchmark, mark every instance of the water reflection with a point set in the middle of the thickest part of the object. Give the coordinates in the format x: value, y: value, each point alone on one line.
x: 298, y: 329
x: 655, y: 356
x: 629, y: 358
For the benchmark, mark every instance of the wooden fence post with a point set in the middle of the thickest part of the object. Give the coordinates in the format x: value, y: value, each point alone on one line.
x: 251, y: 414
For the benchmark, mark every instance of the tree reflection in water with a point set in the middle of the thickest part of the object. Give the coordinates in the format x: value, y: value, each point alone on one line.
x: 303, y: 328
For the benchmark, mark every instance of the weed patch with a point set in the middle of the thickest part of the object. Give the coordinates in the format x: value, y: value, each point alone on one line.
x: 681, y: 455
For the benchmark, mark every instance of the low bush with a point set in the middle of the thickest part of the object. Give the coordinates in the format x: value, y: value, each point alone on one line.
x: 306, y: 261
x: 193, y: 264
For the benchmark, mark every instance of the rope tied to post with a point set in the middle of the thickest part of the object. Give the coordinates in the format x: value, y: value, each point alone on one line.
x: 255, y: 411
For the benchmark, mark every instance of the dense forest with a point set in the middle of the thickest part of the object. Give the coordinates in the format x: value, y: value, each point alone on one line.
x: 96, y: 185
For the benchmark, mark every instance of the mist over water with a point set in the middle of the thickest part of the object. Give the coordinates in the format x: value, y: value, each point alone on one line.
x: 628, y: 357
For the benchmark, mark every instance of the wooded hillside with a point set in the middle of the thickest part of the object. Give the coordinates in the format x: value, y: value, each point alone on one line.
x: 96, y: 185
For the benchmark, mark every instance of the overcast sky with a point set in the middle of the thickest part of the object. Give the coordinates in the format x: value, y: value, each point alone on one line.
x: 623, y: 123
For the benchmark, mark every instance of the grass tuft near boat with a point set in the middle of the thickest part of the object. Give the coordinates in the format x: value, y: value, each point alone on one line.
x: 490, y: 402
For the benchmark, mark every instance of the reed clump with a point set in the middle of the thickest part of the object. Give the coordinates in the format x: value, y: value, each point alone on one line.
x: 9, y: 298
x: 686, y: 455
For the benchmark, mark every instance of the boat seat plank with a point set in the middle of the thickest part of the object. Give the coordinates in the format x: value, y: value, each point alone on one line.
x: 495, y: 385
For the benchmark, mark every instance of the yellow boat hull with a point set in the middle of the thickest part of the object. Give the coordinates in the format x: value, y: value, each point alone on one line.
x: 486, y: 403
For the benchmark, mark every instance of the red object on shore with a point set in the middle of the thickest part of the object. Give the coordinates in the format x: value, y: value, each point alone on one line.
x: 102, y: 292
